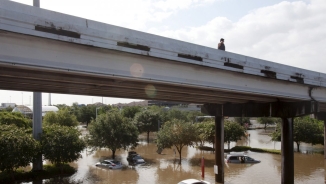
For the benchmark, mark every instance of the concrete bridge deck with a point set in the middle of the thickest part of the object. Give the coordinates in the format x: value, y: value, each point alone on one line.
x: 60, y: 53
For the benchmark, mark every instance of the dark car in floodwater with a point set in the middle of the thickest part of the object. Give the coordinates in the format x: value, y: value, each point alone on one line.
x: 135, y: 159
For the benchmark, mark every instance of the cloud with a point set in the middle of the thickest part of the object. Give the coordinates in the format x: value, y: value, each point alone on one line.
x: 134, y: 14
x: 289, y: 33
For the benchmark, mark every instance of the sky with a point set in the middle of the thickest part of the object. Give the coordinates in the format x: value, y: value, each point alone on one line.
x: 290, y: 32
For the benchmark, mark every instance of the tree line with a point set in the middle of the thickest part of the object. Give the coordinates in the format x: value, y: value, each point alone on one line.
x: 114, y: 129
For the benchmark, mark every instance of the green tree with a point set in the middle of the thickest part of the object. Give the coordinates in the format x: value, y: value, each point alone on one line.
x: 173, y: 113
x: 61, y: 144
x: 103, y: 109
x: 305, y: 129
x: 209, y: 132
x: 176, y: 133
x: 15, y: 118
x: 191, y: 116
x: 7, y: 109
x: 17, y: 148
x: 62, y: 117
x: 147, y: 121
x: 242, y: 120
x: 112, y: 131
x: 268, y: 121
x: 62, y: 106
x: 232, y: 132
x: 86, y: 113
x: 130, y: 111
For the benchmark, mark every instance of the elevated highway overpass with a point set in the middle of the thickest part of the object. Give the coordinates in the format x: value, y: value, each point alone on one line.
x: 46, y: 51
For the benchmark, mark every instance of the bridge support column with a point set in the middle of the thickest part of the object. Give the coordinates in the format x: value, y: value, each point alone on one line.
x: 322, y: 116
x: 37, y: 127
x: 287, y: 151
x: 219, y: 148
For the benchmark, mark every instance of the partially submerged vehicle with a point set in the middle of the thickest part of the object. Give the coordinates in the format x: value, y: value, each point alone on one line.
x: 240, y: 158
x: 111, y: 164
x: 135, y: 159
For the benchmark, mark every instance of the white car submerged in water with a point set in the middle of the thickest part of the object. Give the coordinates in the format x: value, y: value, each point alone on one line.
x: 239, y: 158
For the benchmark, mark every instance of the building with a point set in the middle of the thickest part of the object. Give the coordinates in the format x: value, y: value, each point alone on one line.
x: 28, y: 110
x: 6, y: 105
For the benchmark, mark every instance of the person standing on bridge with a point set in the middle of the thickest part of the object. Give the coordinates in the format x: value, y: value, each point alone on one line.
x: 221, y: 45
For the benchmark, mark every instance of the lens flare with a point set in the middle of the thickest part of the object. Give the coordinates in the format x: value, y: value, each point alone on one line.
x: 137, y: 70
x: 150, y: 91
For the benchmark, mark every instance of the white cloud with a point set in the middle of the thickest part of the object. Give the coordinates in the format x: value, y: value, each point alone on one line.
x: 167, y: 5
x: 289, y: 33
x: 134, y: 14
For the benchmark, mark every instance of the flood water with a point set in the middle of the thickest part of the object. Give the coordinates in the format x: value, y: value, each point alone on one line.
x: 165, y: 169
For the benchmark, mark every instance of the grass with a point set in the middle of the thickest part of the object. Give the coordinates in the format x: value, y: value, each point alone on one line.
x: 49, y: 171
x: 243, y: 148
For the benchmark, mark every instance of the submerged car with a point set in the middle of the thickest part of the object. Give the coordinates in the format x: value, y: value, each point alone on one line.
x: 131, y: 154
x: 133, y: 158
x: 193, y: 181
x: 240, y: 159
x: 137, y: 159
x: 112, y: 164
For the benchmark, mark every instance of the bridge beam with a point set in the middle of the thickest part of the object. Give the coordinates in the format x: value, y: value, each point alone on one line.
x: 269, y: 109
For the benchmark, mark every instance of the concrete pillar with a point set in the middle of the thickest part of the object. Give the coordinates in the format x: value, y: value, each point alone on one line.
x: 219, y: 148
x: 287, y: 151
x: 37, y: 127
x: 325, y: 140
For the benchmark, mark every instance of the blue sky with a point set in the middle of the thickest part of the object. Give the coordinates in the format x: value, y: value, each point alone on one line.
x: 290, y: 32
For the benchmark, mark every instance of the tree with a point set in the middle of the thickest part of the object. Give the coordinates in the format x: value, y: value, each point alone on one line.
x: 62, y: 106
x: 206, y: 132
x: 61, y: 144
x: 112, y: 131
x: 268, y: 121
x: 242, y: 120
x: 232, y: 132
x: 7, y: 109
x: 103, y: 109
x: 176, y: 114
x: 86, y: 113
x: 62, y: 117
x: 17, y: 148
x: 305, y: 129
x: 191, y: 116
x: 130, y: 111
x: 14, y: 118
x: 176, y: 133
x: 147, y: 121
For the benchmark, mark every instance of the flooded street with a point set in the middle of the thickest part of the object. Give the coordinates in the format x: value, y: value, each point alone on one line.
x: 164, y: 168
